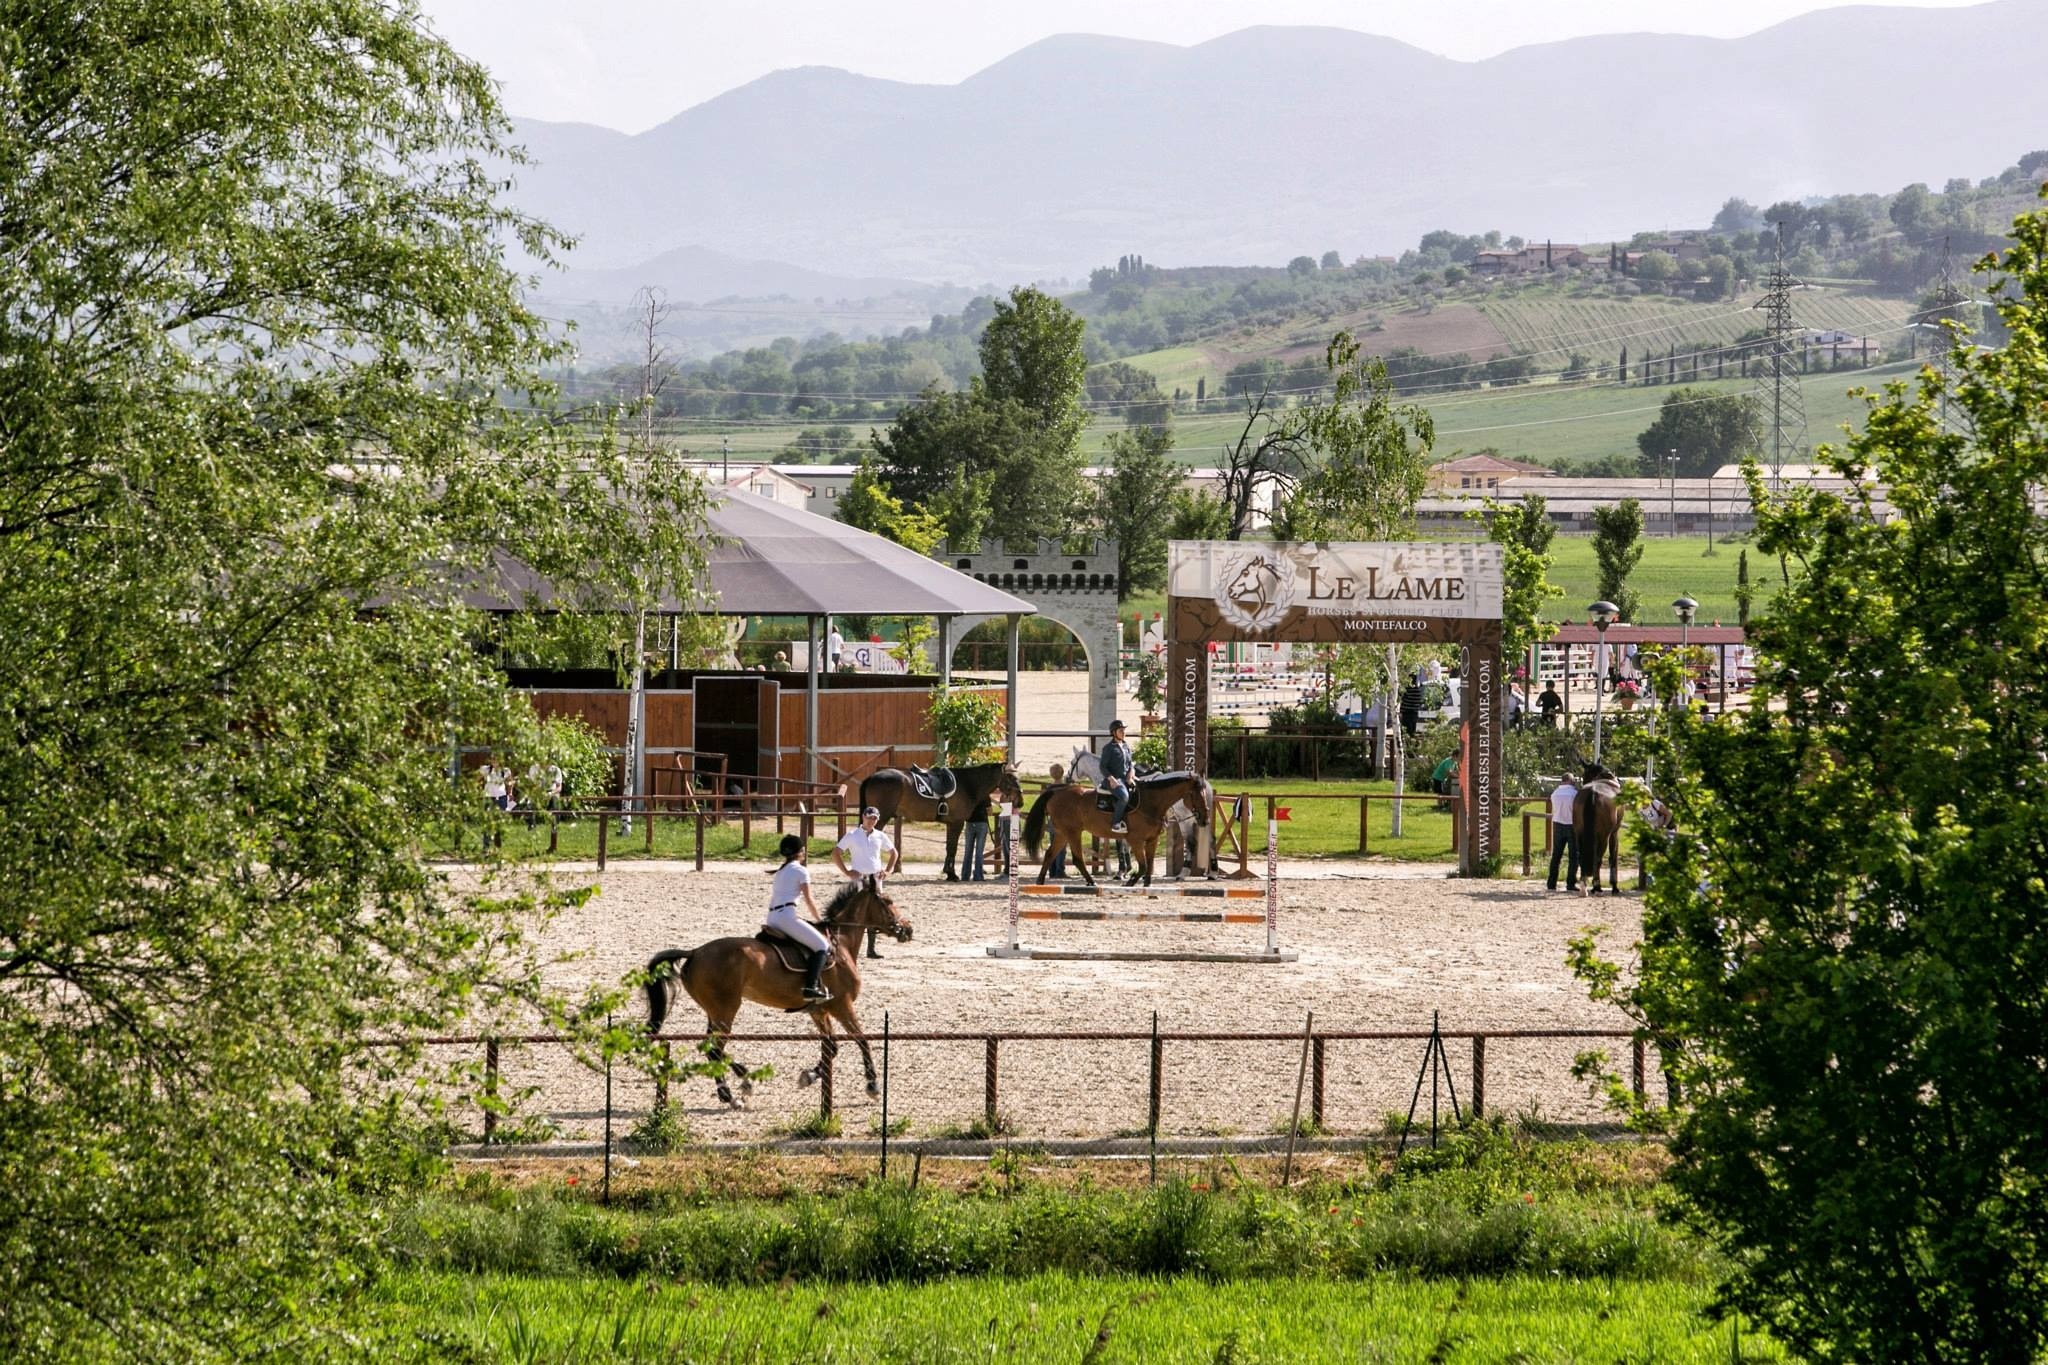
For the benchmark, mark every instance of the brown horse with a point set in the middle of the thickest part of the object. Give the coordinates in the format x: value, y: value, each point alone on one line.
x: 1596, y: 828
x: 1071, y: 812
x: 721, y: 974
x: 890, y: 791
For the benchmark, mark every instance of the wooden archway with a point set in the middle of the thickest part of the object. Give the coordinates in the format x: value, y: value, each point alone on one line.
x: 1352, y: 593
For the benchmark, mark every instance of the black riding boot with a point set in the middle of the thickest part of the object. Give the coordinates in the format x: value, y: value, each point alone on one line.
x: 814, y: 973
x: 871, y: 944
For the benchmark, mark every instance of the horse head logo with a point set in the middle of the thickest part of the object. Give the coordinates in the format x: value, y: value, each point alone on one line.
x: 1255, y: 588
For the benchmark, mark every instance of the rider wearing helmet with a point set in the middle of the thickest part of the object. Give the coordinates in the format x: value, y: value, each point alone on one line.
x: 1116, y: 774
x: 791, y: 884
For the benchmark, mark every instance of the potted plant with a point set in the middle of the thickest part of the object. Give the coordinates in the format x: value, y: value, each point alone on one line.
x: 1626, y: 692
x: 1151, y: 689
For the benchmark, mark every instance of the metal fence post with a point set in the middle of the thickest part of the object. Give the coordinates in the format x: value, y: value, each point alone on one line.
x: 1315, y: 1082
x: 824, y: 1082
x: 1479, y: 1076
x: 490, y: 1088
x: 607, y: 1196
x: 1158, y: 1056
x: 700, y: 838
x: 603, y: 836
x: 885, y: 1094
x: 988, y: 1084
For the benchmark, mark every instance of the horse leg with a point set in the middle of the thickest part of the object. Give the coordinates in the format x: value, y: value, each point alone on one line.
x: 841, y: 1008
x: 1614, y: 860
x: 1080, y: 856
x: 714, y: 1051
x: 828, y: 1048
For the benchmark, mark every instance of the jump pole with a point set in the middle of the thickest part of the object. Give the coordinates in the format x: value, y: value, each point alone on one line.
x: 1012, y: 948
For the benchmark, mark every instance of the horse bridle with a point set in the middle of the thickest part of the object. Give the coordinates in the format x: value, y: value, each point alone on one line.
x: 897, y: 927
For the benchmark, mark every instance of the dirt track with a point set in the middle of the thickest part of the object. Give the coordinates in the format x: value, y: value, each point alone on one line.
x: 1377, y: 953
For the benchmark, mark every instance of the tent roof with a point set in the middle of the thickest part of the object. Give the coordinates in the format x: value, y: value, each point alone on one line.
x: 768, y: 559
x: 773, y: 560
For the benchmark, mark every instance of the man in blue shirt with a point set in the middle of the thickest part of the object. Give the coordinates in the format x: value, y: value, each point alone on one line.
x: 1116, y: 774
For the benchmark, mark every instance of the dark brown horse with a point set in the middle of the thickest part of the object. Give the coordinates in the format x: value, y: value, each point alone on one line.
x: 1596, y: 828
x: 721, y: 974
x: 1071, y: 813
x: 890, y: 791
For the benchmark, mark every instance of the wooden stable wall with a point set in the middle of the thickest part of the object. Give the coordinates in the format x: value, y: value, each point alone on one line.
x: 860, y: 728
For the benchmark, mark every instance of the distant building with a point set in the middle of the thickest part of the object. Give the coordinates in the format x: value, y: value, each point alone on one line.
x: 1534, y: 256
x: 1686, y: 507
x: 766, y: 481
x: 1482, y: 473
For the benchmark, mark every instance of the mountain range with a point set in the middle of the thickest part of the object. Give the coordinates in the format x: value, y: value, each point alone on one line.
x: 1271, y: 142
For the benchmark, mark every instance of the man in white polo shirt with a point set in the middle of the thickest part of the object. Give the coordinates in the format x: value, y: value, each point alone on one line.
x: 867, y: 851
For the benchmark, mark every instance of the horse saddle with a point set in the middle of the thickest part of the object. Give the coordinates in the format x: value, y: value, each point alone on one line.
x: 1105, y: 800
x: 933, y: 784
x: 794, y: 955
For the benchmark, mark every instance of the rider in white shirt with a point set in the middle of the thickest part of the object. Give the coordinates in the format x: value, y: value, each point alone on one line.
x: 792, y: 884
x: 867, y: 851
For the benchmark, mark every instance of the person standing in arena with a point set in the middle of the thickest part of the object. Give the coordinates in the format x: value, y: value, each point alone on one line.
x: 868, y: 852
x: 1561, y: 843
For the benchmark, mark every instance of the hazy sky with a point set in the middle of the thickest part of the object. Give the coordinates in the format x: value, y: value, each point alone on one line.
x: 630, y: 64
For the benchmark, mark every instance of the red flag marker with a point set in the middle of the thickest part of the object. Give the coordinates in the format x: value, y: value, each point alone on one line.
x: 1283, y: 813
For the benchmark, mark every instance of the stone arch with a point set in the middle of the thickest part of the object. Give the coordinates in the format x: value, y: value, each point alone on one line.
x: 1077, y: 591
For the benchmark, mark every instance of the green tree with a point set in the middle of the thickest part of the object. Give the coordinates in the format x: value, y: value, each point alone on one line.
x: 962, y: 510
x: 1913, y: 209
x: 1197, y: 515
x: 1706, y: 428
x: 1736, y: 215
x: 1720, y: 272
x: 1031, y: 355
x: 1018, y: 426
x: 1657, y: 266
x: 1135, y: 505
x: 1524, y: 532
x: 1368, y: 456
x: 967, y: 726
x: 1842, y: 956
x: 1617, y: 547
x: 253, y: 361
x: 867, y: 504
x: 1332, y: 260
x: 1302, y: 265
x: 1030, y: 484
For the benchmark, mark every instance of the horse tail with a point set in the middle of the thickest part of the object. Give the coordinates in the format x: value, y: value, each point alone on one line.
x: 661, y: 969
x: 1034, y: 823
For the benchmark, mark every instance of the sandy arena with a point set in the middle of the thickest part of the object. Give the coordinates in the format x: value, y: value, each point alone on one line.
x: 1377, y: 951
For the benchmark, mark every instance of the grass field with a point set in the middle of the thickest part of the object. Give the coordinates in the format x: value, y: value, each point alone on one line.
x: 1498, y: 1245
x: 1545, y: 422
x: 1064, y: 1319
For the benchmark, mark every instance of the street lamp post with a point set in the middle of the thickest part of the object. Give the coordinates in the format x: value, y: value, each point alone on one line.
x: 1685, y: 607
x: 1603, y: 613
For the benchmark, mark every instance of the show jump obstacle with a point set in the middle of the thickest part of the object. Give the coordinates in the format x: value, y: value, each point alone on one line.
x: 1268, y: 915
x: 1353, y: 594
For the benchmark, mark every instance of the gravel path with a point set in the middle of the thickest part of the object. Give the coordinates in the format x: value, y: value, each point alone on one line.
x: 1377, y: 952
